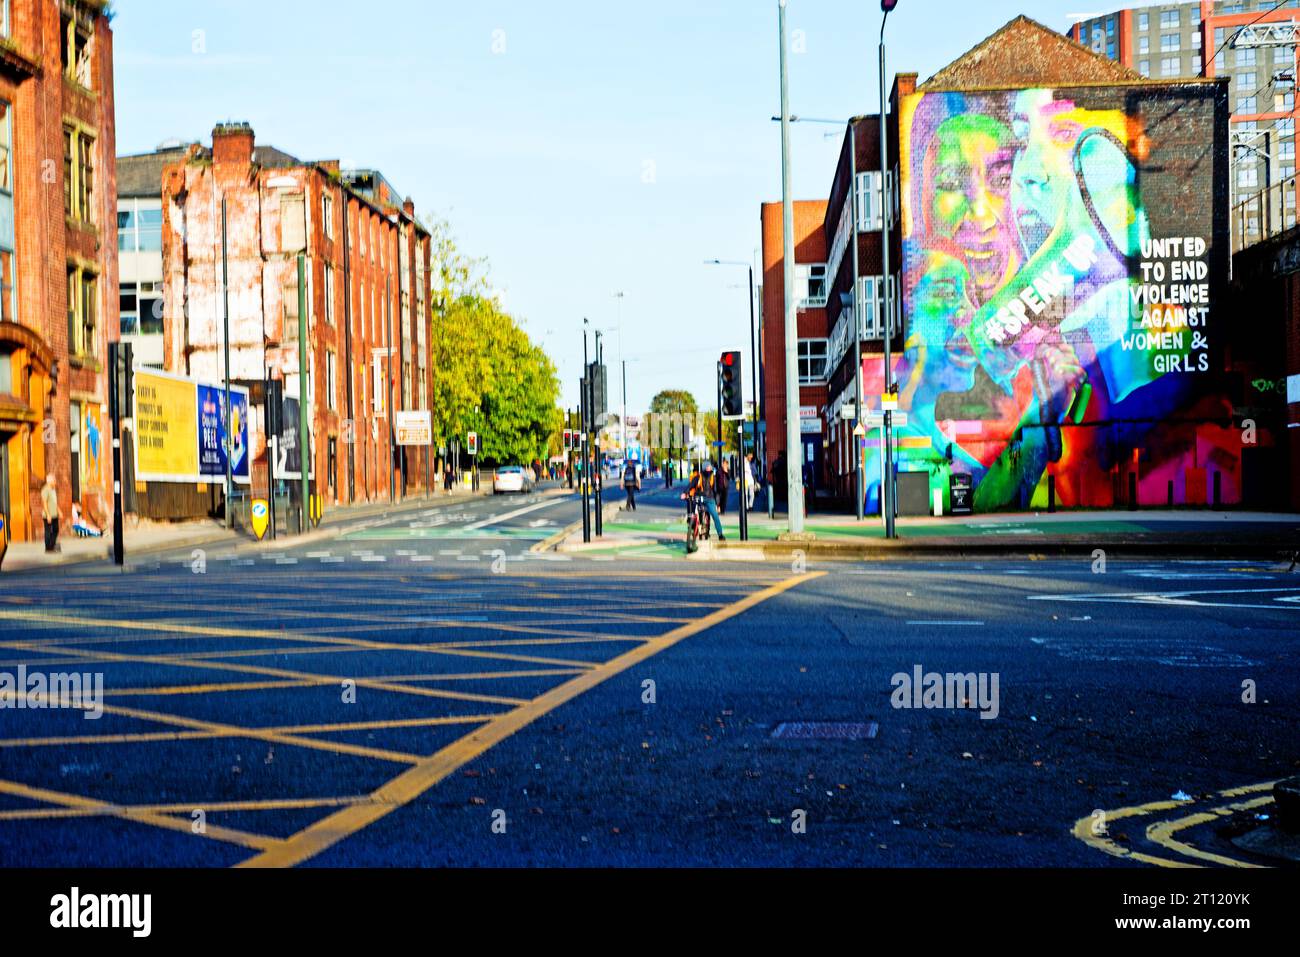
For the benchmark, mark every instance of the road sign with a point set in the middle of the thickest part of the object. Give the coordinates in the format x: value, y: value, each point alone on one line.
x: 413, y: 427
x: 261, y: 516
x: 859, y: 430
x: 889, y: 401
x: 848, y: 411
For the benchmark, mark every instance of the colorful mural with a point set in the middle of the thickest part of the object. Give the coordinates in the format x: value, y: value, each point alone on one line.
x: 1057, y: 317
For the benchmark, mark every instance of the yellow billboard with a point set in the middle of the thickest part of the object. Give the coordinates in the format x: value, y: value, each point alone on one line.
x: 166, y: 428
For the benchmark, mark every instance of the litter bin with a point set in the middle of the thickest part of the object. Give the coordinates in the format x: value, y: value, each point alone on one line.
x: 959, y: 493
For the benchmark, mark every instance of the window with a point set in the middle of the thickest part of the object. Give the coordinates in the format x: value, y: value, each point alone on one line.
x: 1169, y: 66
x: 1144, y: 45
x: 1196, y: 65
x: 1284, y: 101
x: 1083, y: 34
x: 138, y: 229
x: 1169, y: 42
x: 329, y: 294
x: 83, y: 291
x: 1195, y: 15
x: 1169, y: 20
x: 331, y: 380
x: 1144, y: 67
x: 1246, y: 104
x: 1110, y: 49
x: 4, y: 18
x: 327, y: 214
x: 78, y: 32
x: 1247, y: 176
x: 1144, y: 21
x: 78, y: 174
x: 810, y: 284
x: 293, y: 223
x: 1245, y: 82
x: 1246, y: 57
x: 1110, y: 26
x: 1284, y: 127
x: 812, y: 361
x: 1286, y: 149
x: 869, y: 211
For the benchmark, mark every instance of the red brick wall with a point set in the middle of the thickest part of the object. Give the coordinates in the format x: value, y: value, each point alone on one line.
x: 809, y: 247
x: 45, y: 243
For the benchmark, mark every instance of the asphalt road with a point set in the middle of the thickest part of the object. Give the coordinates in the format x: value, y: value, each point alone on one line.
x: 424, y: 690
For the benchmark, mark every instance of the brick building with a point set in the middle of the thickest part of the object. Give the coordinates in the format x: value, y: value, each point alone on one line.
x: 1253, y: 44
x: 1059, y: 250
x: 368, y: 273
x: 58, y: 257
x: 810, y: 266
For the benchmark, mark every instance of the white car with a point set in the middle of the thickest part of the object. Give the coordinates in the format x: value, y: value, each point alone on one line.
x: 511, y: 478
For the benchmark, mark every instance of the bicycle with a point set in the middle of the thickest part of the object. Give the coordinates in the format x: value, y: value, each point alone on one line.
x: 697, y: 522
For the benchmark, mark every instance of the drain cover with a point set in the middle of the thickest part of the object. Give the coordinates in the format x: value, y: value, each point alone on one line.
x: 825, y: 730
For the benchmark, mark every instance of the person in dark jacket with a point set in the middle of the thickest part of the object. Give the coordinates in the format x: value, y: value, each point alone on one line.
x: 722, y: 481
x: 631, y: 484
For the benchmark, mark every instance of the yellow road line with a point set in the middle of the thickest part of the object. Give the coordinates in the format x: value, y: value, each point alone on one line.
x: 151, y: 736
x: 1083, y: 828
x: 208, y: 807
x: 243, y: 838
x: 409, y: 785
x: 314, y: 678
x: 1163, y: 833
x: 235, y: 731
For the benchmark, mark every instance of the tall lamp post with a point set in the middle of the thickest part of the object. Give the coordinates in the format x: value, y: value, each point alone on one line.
x: 887, y: 497
x: 793, y: 437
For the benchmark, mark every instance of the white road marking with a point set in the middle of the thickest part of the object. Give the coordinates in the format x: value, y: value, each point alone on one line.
x: 491, y: 520
x: 945, y: 623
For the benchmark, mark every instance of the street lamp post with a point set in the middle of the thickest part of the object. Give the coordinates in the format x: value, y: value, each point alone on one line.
x: 793, y: 438
x: 887, y: 496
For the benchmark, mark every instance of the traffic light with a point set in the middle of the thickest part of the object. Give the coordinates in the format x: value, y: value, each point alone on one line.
x: 568, y: 440
x: 120, y: 355
x: 729, y: 385
x: 274, y: 407
x: 471, y: 444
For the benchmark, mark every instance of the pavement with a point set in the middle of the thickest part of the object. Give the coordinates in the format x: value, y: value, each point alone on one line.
x: 430, y: 686
x: 657, y: 530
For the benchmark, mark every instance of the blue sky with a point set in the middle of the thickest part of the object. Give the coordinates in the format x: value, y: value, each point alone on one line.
x: 583, y: 147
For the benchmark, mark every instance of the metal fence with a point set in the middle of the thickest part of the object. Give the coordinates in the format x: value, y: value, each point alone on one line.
x: 1266, y: 214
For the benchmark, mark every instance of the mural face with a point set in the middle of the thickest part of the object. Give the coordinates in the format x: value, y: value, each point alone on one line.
x: 1057, y: 325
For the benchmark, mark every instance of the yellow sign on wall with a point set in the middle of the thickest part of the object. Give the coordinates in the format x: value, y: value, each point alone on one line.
x: 166, y: 428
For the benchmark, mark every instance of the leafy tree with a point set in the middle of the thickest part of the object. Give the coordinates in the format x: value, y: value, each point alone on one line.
x: 489, y: 377
x: 672, y: 406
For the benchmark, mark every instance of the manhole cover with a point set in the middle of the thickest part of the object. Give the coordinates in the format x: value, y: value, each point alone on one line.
x: 825, y: 730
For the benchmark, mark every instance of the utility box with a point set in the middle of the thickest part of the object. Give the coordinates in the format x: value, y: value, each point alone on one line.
x: 913, y: 493
x: 960, y: 493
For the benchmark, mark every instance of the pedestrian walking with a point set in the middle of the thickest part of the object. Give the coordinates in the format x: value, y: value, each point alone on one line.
x: 631, y: 485
x: 50, y: 513
x: 723, y: 483
x: 751, y: 481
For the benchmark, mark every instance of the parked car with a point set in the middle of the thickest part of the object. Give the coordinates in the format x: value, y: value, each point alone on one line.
x: 512, y: 478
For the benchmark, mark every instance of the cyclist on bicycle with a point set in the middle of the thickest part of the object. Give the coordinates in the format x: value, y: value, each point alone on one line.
x: 703, y: 485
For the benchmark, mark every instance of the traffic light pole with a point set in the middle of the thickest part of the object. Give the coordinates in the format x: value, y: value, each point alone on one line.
x: 115, y: 413
x: 584, y: 475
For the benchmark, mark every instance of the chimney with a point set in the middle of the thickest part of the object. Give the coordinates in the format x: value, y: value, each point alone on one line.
x: 408, y: 207
x: 232, y: 150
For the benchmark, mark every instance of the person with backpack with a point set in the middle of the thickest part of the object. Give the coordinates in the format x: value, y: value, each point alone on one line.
x: 631, y: 485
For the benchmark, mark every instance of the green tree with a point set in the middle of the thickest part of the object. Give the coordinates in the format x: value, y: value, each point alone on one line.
x: 674, y: 409
x: 489, y: 377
